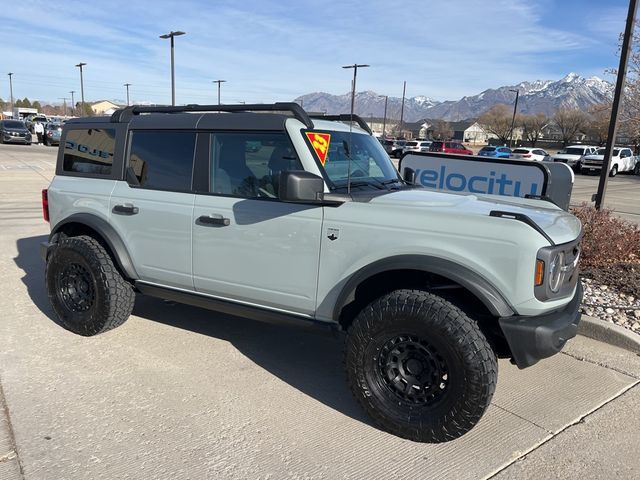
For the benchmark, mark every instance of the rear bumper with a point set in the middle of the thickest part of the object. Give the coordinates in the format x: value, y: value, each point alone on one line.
x: 534, y: 338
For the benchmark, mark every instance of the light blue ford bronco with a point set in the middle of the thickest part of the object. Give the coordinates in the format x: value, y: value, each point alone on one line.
x: 268, y: 212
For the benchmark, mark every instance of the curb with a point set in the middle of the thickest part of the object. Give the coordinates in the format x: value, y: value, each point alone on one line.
x: 609, y: 333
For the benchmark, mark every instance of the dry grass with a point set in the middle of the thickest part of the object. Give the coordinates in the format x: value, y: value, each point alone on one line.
x: 608, y: 240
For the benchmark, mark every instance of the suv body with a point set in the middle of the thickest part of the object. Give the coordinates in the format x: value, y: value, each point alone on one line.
x: 417, y: 146
x: 496, y: 152
x: 14, y: 131
x: 52, y: 133
x: 622, y: 160
x: 450, y: 147
x: 317, y: 226
x: 530, y: 153
x: 574, y: 154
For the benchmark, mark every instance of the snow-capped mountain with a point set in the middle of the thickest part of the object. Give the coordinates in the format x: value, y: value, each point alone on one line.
x: 546, y: 96
x: 366, y: 104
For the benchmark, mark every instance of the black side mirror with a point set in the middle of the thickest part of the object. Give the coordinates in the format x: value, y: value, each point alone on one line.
x: 300, y: 186
x: 409, y: 176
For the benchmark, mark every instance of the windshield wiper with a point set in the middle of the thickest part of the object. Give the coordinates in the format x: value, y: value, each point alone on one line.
x: 393, y: 180
x: 362, y: 184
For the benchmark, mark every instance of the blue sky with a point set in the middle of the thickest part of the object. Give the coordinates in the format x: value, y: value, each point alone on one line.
x: 277, y: 50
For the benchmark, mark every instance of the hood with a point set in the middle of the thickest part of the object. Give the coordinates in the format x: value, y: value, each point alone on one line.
x: 560, y: 226
x: 567, y: 156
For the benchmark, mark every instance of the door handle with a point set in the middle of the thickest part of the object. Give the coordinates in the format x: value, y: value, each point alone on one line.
x: 215, y: 220
x: 126, y: 209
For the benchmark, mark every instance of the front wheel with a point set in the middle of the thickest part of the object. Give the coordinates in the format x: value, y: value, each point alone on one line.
x: 419, y: 366
x: 85, y: 289
x: 614, y: 171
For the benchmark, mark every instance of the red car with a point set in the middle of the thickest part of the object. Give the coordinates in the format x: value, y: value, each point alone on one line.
x: 450, y: 147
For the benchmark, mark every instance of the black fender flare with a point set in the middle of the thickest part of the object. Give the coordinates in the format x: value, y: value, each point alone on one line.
x: 475, y: 283
x: 108, y: 233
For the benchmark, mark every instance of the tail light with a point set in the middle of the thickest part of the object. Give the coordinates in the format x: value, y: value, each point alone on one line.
x: 45, y: 205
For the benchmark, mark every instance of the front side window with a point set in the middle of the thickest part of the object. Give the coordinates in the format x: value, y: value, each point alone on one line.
x: 89, y: 150
x: 360, y: 154
x: 248, y: 164
x: 162, y: 160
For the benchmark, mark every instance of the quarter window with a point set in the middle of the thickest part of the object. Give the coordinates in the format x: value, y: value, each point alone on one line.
x: 249, y: 164
x: 163, y: 160
x: 89, y: 151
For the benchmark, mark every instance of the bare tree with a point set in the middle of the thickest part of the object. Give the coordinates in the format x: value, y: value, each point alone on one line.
x: 569, y: 121
x: 442, y: 130
x: 598, y: 126
x: 497, y: 120
x: 629, y: 116
x: 532, y: 126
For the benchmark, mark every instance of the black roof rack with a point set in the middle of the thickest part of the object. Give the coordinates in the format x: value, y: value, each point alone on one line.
x: 125, y: 114
x: 345, y: 117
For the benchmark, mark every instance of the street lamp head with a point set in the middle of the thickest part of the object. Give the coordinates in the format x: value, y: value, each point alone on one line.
x: 356, y: 65
x: 218, y: 81
x: 514, y: 90
x: 10, y: 73
x: 172, y: 34
x: 81, y: 64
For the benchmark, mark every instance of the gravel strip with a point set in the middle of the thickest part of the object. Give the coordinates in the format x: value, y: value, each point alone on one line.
x: 606, y: 303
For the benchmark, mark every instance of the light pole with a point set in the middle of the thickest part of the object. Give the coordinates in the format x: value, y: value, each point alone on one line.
x: 170, y: 35
x: 404, y: 91
x: 64, y: 105
x: 80, y: 65
x: 371, y: 121
x: 11, y: 91
x: 73, y: 103
x: 127, y: 85
x: 219, y: 82
x: 384, y: 120
x: 513, y: 120
x: 355, y: 67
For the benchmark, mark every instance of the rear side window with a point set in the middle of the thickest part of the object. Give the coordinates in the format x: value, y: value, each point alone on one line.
x: 89, y: 150
x: 163, y: 160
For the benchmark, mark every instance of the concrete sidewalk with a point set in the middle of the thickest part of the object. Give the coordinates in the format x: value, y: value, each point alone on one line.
x: 178, y: 392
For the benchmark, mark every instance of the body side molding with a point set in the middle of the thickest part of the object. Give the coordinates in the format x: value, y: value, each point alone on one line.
x: 472, y: 281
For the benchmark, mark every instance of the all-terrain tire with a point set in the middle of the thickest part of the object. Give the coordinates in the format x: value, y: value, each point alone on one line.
x: 88, y: 294
x: 419, y: 366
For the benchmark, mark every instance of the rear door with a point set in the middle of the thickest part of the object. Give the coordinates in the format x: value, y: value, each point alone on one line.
x: 152, y: 212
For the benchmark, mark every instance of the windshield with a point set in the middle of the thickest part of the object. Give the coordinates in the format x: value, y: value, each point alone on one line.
x: 616, y: 151
x: 412, y: 144
x: 520, y: 150
x: 488, y: 149
x: 13, y: 124
x: 370, y: 164
x: 574, y: 151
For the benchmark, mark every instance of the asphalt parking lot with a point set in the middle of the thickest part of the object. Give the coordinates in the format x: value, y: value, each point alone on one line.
x: 179, y: 392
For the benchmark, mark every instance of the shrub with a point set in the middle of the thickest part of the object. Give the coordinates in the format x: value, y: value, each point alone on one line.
x: 607, y: 239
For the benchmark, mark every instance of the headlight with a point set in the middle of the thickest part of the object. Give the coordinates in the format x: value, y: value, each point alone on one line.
x: 555, y: 272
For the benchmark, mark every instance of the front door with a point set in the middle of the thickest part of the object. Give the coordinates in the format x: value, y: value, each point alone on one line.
x: 248, y: 246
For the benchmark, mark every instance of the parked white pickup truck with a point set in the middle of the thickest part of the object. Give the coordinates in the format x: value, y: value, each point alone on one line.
x: 622, y: 160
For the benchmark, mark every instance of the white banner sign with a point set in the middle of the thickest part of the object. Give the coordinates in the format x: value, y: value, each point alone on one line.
x: 476, y: 175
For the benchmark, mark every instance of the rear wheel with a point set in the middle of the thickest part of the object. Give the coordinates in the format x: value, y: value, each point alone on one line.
x: 419, y: 366
x: 85, y: 289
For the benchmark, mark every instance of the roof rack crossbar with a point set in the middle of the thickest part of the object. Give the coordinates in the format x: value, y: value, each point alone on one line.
x: 125, y: 114
x: 346, y: 117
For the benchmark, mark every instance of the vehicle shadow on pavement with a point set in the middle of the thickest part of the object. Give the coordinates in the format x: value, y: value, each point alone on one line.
x: 29, y: 261
x: 307, y: 358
